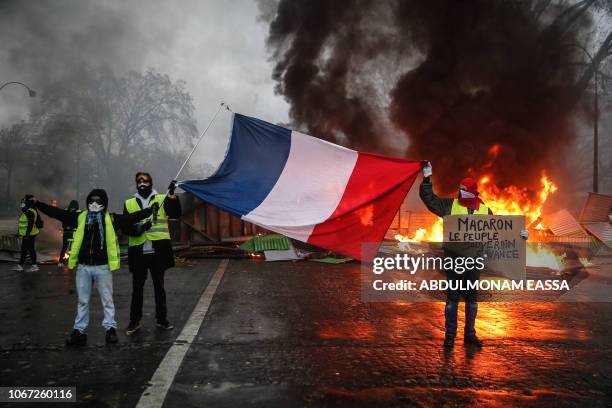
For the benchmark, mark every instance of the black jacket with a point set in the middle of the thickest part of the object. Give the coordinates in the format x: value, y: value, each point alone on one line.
x: 442, y: 206
x: 92, y: 253
x: 438, y: 205
x: 67, y: 226
x: 164, y: 256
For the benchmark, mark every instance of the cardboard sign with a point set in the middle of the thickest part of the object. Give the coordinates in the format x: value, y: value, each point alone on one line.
x: 496, y: 238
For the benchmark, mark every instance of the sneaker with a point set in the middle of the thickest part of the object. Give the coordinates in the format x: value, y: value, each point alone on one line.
x: 165, y: 325
x: 473, y: 340
x: 18, y: 267
x: 449, y: 341
x: 33, y: 268
x: 111, y: 336
x: 60, y: 264
x: 132, y: 328
x: 76, y: 338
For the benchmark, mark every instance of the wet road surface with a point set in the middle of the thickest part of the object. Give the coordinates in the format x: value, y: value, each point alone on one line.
x: 296, y: 334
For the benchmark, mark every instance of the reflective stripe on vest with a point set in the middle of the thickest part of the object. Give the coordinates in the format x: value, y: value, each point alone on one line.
x: 112, y: 246
x: 23, y: 223
x: 159, y: 230
x: 458, y: 209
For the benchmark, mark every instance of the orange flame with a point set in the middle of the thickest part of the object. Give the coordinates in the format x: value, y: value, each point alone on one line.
x: 510, y: 200
x: 514, y: 200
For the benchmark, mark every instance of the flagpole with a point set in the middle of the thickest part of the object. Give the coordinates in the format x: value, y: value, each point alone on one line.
x: 221, y: 105
x: 200, y: 139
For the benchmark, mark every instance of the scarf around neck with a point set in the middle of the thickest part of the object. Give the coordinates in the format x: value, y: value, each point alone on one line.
x: 96, y: 217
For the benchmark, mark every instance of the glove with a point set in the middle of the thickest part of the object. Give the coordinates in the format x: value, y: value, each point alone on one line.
x: 142, y: 227
x: 427, y: 170
x: 171, y: 187
x: 524, y: 234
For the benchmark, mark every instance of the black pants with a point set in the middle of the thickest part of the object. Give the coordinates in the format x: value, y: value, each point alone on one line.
x: 139, y: 276
x: 452, y: 304
x: 65, y: 243
x: 27, y: 247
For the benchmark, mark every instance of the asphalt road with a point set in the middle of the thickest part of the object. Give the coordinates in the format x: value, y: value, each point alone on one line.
x: 296, y: 334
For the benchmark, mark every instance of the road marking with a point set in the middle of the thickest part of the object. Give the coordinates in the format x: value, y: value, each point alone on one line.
x: 155, y: 394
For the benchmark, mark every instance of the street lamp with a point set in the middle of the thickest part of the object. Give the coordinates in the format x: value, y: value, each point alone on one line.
x: 31, y: 92
x: 595, y: 121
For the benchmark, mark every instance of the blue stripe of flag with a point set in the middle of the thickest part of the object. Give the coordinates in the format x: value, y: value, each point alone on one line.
x: 255, y: 160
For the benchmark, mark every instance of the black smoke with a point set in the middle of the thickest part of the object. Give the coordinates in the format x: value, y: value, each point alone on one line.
x: 448, y: 78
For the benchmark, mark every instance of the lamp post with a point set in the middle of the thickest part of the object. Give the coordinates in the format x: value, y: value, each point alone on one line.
x: 595, y: 125
x: 31, y: 92
x: 596, y: 139
x: 595, y: 120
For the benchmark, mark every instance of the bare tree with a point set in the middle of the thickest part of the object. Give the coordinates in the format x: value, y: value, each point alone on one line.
x: 121, y: 118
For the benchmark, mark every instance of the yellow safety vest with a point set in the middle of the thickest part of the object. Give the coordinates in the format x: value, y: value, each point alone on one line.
x: 23, y: 223
x: 458, y: 209
x: 112, y: 246
x: 159, y: 230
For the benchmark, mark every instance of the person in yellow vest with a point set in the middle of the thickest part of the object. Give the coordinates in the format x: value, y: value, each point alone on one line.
x: 95, y: 254
x: 467, y: 201
x: 28, y: 229
x: 150, y: 248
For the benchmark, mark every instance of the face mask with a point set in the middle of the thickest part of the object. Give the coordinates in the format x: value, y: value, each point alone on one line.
x: 144, y: 189
x: 466, y: 194
x: 95, y: 207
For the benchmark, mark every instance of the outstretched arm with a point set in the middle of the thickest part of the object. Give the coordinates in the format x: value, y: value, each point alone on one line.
x: 172, y: 206
x: 58, y: 213
x: 437, y: 205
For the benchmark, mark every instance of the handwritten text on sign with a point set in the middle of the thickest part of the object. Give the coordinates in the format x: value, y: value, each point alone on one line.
x: 495, y: 237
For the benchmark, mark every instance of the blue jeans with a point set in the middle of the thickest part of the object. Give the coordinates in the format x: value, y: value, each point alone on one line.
x: 86, y: 275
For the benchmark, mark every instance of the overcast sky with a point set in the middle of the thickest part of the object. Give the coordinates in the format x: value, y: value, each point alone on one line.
x: 217, y: 47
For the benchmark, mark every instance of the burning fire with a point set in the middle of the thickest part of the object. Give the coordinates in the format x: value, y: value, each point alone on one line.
x: 511, y: 200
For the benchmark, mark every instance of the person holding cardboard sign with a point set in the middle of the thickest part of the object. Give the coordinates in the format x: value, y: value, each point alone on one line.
x: 466, y: 202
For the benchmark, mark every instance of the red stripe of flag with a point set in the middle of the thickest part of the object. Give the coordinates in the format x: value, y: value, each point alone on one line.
x: 375, y: 191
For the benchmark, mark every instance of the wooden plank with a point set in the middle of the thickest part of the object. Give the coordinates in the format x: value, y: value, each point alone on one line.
x: 224, y: 225
x: 195, y: 229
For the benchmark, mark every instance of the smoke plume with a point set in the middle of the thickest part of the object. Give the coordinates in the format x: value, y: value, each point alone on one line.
x: 439, y: 80
x: 49, y: 43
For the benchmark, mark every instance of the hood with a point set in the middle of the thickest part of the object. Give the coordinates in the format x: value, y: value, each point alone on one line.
x: 74, y: 205
x: 27, y: 200
x: 99, y: 192
x: 470, y: 185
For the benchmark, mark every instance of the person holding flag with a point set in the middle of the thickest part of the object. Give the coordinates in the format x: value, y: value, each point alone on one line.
x: 150, y: 249
x: 467, y: 201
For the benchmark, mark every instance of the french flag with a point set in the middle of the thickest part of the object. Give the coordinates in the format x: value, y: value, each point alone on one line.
x: 306, y: 188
